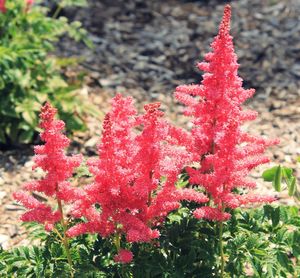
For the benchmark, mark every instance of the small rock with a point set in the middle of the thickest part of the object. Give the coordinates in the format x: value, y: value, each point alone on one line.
x: 13, y: 230
x: 2, y: 195
x: 4, y: 241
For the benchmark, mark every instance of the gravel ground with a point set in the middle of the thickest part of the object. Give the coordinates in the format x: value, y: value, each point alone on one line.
x: 147, y: 48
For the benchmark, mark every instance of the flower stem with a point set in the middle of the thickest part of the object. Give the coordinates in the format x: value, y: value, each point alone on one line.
x: 221, y: 248
x: 65, y: 240
x: 57, y: 11
x: 117, y: 241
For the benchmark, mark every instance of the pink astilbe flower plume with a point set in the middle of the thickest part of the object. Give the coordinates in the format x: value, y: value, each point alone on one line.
x: 226, y: 154
x: 123, y: 256
x: 59, y: 168
x: 135, y: 153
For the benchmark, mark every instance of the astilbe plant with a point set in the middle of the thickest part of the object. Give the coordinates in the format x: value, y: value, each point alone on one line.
x: 135, y: 177
x: 141, y: 157
x: 225, y: 153
x: 59, y: 168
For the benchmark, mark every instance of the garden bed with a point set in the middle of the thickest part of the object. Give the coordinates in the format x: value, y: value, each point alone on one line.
x: 147, y: 48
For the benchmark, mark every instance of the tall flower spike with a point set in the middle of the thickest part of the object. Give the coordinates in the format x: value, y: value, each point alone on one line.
x: 135, y: 153
x: 224, y: 152
x: 59, y: 168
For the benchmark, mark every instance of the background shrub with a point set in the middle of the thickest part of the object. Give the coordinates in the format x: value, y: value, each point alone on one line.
x: 29, y: 75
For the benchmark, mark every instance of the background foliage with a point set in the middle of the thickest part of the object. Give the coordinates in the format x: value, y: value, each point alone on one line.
x: 29, y: 75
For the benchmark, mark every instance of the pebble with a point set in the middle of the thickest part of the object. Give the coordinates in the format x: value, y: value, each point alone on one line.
x: 4, y: 241
x: 2, y: 195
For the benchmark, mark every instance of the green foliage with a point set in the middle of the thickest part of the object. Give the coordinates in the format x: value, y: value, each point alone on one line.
x: 186, y: 248
x: 282, y: 178
x: 260, y: 242
x: 29, y: 75
x: 23, y: 262
x: 35, y: 231
x: 72, y: 3
x: 266, y: 241
x: 82, y: 171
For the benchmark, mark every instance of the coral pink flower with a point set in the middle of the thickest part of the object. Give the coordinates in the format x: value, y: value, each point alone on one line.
x: 124, y: 256
x: 2, y: 6
x: 59, y: 168
x: 139, y: 162
x: 224, y: 151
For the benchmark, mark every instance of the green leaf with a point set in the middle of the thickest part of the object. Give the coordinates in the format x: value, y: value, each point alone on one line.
x: 30, y: 117
x: 287, y: 172
x: 269, y: 174
x: 277, y: 179
x: 283, y: 260
x: 275, y: 216
x: 26, y: 136
x: 2, y: 136
x: 73, y: 3
x: 292, y: 186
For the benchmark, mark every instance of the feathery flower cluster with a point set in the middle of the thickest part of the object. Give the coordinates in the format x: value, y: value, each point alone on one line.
x: 124, y: 256
x: 139, y: 162
x: 225, y: 152
x: 59, y: 167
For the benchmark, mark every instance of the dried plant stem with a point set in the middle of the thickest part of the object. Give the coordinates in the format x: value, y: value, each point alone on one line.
x: 64, y: 238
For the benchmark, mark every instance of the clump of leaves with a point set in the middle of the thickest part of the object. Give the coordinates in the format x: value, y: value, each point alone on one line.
x: 283, y: 178
x: 29, y: 75
x: 261, y: 242
x: 264, y: 243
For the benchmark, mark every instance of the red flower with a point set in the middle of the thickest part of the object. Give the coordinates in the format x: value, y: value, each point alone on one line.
x: 59, y: 167
x: 224, y: 151
x: 139, y: 162
x: 124, y: 256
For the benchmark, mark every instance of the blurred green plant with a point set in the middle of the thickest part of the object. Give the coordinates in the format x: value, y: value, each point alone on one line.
x: 29, y: 75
